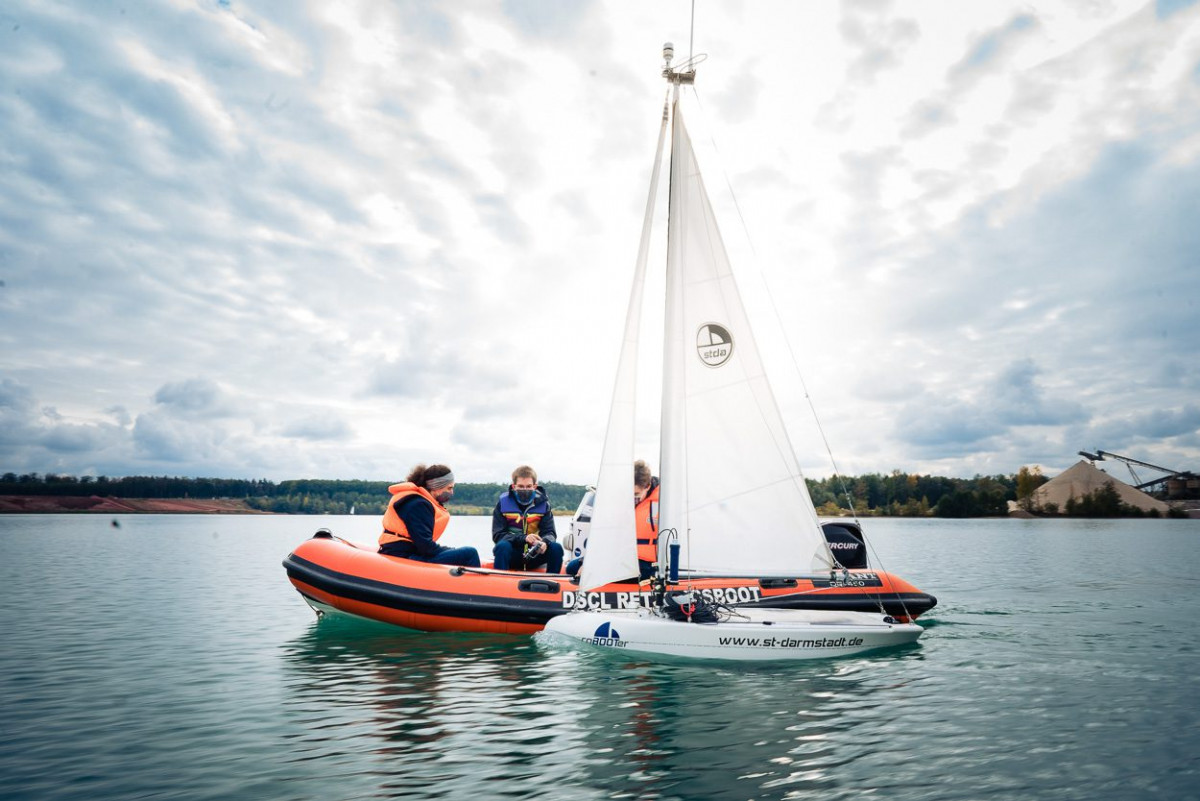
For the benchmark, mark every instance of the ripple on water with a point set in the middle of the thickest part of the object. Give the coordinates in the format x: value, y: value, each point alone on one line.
x: 200, y: 674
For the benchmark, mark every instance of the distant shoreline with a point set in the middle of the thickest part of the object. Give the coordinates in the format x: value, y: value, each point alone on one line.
x: 96, y: 504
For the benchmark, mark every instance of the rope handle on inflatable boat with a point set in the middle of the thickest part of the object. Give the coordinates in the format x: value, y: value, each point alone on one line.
x: 459, y: 570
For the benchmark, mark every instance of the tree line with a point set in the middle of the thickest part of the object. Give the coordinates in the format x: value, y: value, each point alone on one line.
x: 295, y: 496
x: 900, y: 494
x: 896, y: 494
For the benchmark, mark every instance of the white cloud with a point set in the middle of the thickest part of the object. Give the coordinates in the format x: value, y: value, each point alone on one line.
x: 336, y: 241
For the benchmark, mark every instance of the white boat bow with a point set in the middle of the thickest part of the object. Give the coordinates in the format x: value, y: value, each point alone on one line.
x: 751, y: 634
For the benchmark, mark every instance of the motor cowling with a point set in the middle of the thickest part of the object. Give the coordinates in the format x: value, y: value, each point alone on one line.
x: 847, y: 544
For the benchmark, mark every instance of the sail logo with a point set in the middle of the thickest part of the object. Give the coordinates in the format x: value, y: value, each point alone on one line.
x: 714, y: 344
x: 606, y: 635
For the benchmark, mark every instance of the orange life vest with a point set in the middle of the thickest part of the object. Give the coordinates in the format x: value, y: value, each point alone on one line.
x: 646, y: 513
x: 394, y: 528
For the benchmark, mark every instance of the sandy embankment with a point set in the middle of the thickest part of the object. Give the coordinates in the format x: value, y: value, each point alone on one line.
x: 95, y: 503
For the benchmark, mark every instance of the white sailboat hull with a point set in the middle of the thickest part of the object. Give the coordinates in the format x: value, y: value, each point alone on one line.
x: 762, y: 634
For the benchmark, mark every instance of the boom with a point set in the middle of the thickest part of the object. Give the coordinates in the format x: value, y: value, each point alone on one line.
x: 1100, y: 456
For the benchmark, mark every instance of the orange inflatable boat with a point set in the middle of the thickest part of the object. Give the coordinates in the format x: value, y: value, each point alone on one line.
x: 335, y: 575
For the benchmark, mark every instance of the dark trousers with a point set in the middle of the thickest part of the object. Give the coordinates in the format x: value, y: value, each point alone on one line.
x: 509, y: 555
x: 467, y: 556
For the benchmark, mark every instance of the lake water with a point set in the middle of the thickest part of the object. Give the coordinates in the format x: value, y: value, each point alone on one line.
x: 170, y: 658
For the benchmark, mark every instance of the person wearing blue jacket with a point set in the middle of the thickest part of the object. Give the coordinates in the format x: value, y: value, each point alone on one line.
x: 523, y: 526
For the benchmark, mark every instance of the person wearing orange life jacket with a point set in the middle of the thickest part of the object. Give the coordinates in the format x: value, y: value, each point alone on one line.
x: 645, y: 501
x: 415, y: 519
x: 523, y: 526
x: 645, y: 512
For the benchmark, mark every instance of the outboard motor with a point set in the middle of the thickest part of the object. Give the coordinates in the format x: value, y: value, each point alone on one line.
x: 575, y: 542
x: 847, y: 544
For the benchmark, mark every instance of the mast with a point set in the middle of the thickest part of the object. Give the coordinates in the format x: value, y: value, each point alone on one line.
x: 672, y: 457
x: 611, y: 549
x: 680, y: 76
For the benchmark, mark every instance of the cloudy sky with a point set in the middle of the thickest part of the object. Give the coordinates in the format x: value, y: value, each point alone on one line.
x: 332, y: 239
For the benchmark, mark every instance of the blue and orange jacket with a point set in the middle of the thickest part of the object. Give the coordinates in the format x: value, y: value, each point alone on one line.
x: 512, y: 521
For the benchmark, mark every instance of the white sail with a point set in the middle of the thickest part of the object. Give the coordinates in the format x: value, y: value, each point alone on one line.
x: 731, y: 484
x: 611, y: 553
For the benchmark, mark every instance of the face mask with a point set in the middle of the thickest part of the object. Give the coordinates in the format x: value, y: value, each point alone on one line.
x: 524, y: 496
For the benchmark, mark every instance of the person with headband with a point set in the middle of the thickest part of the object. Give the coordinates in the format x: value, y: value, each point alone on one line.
x: 415, y: 518
x: 523, y: 526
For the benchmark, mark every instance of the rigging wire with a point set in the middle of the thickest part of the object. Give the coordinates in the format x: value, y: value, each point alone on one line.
x: 686, y: 538
x: 792, y: 358
x: 690, y: 65
x: 692, y: 33
x: 795, y: 363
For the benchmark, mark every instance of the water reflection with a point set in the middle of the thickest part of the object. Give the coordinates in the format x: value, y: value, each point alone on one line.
x: 455, y: 714
x: 675, y: 730
x: 161, y: 661
x: 435, y: 711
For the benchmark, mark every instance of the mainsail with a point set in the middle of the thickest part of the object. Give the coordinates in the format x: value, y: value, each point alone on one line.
x: 731, y: 485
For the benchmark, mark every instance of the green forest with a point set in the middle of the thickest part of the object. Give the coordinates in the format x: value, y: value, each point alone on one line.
x: 896, y: 494
x: 296, y: 496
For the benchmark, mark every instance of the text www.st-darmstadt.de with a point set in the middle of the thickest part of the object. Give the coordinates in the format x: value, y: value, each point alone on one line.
x: 789, y: 642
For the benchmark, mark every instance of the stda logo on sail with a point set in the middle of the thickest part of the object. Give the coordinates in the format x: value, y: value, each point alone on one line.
x: 714, y: 344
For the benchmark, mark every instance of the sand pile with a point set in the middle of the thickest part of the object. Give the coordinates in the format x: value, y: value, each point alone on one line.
x: 1085, y: 478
